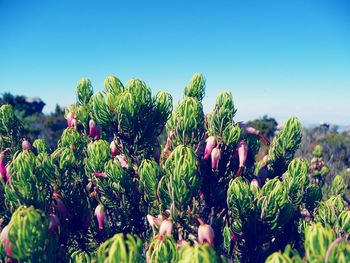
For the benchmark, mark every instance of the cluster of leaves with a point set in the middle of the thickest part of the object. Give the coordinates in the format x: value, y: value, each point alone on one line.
x: 110, y: 192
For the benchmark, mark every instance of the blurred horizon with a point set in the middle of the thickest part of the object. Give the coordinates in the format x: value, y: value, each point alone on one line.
x: 289, y: 58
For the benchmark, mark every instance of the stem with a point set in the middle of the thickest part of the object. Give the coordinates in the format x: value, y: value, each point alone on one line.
x: 331, y: 247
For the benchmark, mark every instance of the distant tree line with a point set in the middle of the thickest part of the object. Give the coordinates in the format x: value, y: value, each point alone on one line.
x: 35, y: 123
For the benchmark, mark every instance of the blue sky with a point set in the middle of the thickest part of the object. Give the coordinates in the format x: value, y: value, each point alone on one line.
x: 280, y: 58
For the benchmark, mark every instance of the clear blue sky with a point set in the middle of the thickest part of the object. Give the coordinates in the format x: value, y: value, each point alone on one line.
x: 279, y: 58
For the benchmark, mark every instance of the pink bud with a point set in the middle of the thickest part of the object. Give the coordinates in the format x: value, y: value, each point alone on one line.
x: 211, y: 143
x: 70, y: 117
x: 114, y: 149
x: 251, y: 130
x: 154, y: 221
x: 99, y: 175
x: 242, y: 153
x: 215, y: 158
x: 206, y: 234
x: 73, y: 124
x: 92, y: 128
x: 6, y: 241
x: 166, y: 228
x: 54, y: 224
x: 122, y: 161
x: 3, y: 173
x: 100, y: 215
x: 26, y: 146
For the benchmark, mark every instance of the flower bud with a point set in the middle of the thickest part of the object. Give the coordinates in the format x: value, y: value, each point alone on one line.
x: 99, y: 175
x: 215, y: 158
x: 6, y: 241
x: 92, y: 128
x: 166, y: 228
x: 122, y: 161
x: 100, y: 215
x: 70, y: 117
x: 251, y: 130
x: 211, y: 143
x: 154, y: 221
x: 114, y: 149
x: 3, y: 173
x: 26, y: 146
x: 242, y: 153
x: 206, y: 234
x: 54, y: 224
x: 74, y: 124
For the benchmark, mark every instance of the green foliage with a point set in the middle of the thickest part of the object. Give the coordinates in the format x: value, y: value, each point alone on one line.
x: 28, y: 236
x: 284, y: 146
x: 120, y: 248
x: 204, y: 196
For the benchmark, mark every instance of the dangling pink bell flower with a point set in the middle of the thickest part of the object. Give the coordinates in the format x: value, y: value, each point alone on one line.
x: 251, y: 130
x: 74, y: 124
x: 154, y: 221
x: 26, y: 146
x: 59, y: 205
x: 242, y: 156
x: 92, y: 128
x: 211, y: 143
x: 100, y: 215
x: 3, y: 172
x: 165, y: 229
x: 99, y: 175
x: 70, y: 117
x: 122, y: 161
x: 54, y: 224
x: 114, y: 149
x: 6, y: 241
x: 205, y: 233
x: 215, y: 158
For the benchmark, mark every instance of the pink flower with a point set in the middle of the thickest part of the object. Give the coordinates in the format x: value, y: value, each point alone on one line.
x: 3, y: 173
x: 114, y: 149
x: 205, y: 233
x: 100, y: 215
x: 6, y: 241
x: 122, y: 161
x: 211, y: 143
x: 92, y: 128
x: 215, y: 158
x: 165, y: 229
x: 99, y: 175
x: 242, y: 156
x: 70, y: 117
x: 251, y: 130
